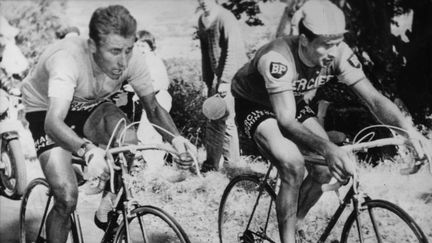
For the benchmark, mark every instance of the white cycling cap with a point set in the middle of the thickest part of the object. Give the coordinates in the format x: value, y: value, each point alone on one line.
x: 322, y: 17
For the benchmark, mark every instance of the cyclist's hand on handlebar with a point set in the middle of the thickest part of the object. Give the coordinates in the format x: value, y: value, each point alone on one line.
x: 186, y: 151
x: 96, y: 164
x: 421, y: 145
x: 341, y: 163
x: 182, y: 145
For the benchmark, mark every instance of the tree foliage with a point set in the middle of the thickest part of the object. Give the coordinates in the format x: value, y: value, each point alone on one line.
x: 37, y: 20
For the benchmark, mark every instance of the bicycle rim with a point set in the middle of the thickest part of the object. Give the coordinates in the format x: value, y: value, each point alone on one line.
x: 34, y: 205
x: 382, y: 221
x: 152, y: 225
x: 244, y: 218
x: 13, y: 177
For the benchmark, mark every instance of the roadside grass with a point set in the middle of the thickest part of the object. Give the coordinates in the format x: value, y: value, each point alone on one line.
x: 194, y: 202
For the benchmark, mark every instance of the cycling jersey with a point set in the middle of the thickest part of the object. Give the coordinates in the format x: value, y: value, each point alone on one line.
x: 277, y: 67
x: 65, y: 70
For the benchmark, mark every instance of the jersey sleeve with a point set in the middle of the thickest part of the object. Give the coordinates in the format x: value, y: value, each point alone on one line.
x: 139, y: 75
x: 276, y: 71
x: 349, y: 67
x: 63, y: 74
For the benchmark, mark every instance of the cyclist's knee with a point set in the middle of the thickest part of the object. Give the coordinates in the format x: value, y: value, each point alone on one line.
x: 292, y: 173
x: 321, y: 175
x: 66, y: 198
x: 291, y: 167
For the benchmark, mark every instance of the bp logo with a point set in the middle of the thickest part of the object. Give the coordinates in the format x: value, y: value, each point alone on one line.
x: 278, y: 69
x: 354, y: 61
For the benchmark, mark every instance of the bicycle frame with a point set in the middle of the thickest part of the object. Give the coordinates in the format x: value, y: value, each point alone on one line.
x: 351, y: 196
x: 124, y: 201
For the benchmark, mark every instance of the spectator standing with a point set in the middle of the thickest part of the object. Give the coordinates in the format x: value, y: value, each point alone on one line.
x: 223, y: 53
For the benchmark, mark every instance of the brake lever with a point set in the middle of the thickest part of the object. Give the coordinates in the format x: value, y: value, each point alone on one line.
x: 411, y: 169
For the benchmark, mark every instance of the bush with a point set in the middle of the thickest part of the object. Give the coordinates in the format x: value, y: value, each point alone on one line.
x: 38, y: 21
x: 188, y: 93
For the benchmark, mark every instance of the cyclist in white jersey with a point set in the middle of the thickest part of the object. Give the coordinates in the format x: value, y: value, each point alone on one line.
x: 67, y: 107
x: 271, y: 104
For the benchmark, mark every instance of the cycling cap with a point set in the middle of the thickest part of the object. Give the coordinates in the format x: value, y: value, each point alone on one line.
x: 322, y: 17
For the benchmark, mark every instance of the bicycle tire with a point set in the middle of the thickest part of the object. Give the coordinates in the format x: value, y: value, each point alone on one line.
x: 158, y: 232
x: 234, y: 216
x: 14, y: 177
x: 406, y: 231
x: 28, y: 232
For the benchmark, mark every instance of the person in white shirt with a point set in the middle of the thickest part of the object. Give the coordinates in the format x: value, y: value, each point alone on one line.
x: 146, y: 44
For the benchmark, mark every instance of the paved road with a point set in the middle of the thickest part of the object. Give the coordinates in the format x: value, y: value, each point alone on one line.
x: 9, y: 213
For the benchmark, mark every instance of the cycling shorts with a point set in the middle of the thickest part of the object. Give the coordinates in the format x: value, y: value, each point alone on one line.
x: 250, y: 114
x: 75, y: 119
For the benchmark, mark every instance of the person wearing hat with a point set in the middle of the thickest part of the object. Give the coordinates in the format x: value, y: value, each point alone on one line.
x: 271, y: 108
x: 223, y: 53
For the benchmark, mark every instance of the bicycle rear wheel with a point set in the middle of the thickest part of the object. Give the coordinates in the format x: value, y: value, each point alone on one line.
x: 151, y: 225
x: 382, y: 221
x: 247, y: 212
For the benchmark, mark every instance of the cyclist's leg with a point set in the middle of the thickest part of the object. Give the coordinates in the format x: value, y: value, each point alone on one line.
x: 57, y: 167
x: 310, y: 191
x: 286, y: 156
x: 258, y: 122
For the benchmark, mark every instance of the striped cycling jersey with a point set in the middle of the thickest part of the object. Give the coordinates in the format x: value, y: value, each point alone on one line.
x: 277, y: 67
x: 66, y: 70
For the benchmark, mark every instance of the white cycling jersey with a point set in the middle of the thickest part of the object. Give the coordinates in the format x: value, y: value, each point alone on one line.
x: 66, y: 70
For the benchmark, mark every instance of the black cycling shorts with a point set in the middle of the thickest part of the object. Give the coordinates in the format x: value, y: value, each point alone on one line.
x: 250, y: 114
x: 75, y: 119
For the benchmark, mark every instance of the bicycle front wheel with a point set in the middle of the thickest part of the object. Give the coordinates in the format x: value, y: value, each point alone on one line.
x: 35, y: 205
x: 151, y: 225
x: 247, y: 212
x: 381, y: 221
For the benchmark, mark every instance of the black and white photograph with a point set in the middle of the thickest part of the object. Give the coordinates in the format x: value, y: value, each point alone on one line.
x: 215, y: 121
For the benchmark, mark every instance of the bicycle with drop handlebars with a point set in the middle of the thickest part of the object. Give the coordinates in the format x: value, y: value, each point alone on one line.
x: 128, y: 221
x: 247, y: 209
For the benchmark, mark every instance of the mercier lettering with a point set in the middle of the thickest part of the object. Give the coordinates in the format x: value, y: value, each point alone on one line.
x: 303, y: 84
x: 252, y: 117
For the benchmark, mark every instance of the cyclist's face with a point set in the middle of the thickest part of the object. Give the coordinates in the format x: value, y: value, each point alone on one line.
x: 112, y: 55
x: 322, y: 51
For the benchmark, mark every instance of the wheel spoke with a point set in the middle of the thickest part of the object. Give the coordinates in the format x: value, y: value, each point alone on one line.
x: 382, y: 222
x: 247, y: 212
x: 152, y: 225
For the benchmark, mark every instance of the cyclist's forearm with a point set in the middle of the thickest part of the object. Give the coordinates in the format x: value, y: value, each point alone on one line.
x: 388, y: 113
x: 62, y: 134
x: 160, y: 117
